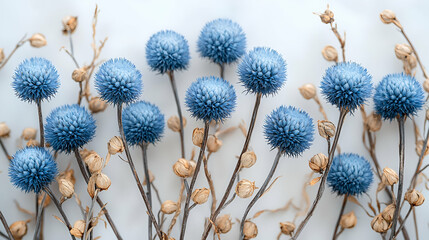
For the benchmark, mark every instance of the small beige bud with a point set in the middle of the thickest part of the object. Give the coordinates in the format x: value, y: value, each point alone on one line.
x: 29, y: 133
x: 389, y: 177
x: 32, y: 143
x: 250, y: 230
x: 79, y: 75
x: 374, y: 122
x: 403, y: 51
x: 326, y: 128
x: 200, y: 195
x: 248, y: 159
x: 84, y: 153
x: 426, y: 85
x: 173, y: 123
x: 380, y: 225
x: 318, y: 162
x: 66, y: 187
x: 1, y: 55
x: 411, y: 62
x: 94, y: 162
x: 38, y: 40
x: 213, y: 144
x: 329, y: 53
x: 223, y: 223
x: 18, y: 229
x: 183, y: 168
x: 308, y: 91
x: 115, y: 145
x: 245, y: 188
x: 327, y: 16
x: 68, y: 175
x: 414, y: 197
x: 91, y: 185
x: 169, y: 207
x: 348, y: 220
x: 4, y: 130
x: 287, y: 228
x: 197, y: 136
x: 69, y: 24
x: 387, y: 16
x: 103, y: 181
x: 96, y: 105
x: 78, y: 228
x: 388, y: 212
x: 151, y: 178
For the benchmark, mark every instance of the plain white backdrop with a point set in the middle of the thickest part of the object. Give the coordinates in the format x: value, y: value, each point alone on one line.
x: 290, y: 27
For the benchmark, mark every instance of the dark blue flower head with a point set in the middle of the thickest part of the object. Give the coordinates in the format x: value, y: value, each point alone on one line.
x: 262, y: 70
x: 289, y: 129
x: 167, y: 51
x: 32, y: 169
x: 143, y: 122
x: 210, y: 98
x: 35, y: 79
x: 398, y: 95
x: 350, y: 174
x: 69, y: 127
x: 346, y: 85
x: 222, y: 41
x: 118, y: 81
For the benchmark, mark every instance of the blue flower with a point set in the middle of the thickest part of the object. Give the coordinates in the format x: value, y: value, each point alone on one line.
x: 32, y: 169
x: 222, y: 41
x: 35, y: 79
x: 167, y: 51
x: 398, y: 95
x: 143, y: 122
x: 210, y: 98
x: 347, y: 85
x: 262, y: 70
x: 289, y: 129
x: 69, y: 127
x: 350, y: 174
x: 118, y: 81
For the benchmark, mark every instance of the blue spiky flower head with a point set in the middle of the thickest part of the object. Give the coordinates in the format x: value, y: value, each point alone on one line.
x: 167, y: 51
x: 35, y: 79
x: 143, y: 123
x: 350, y: 174
x: 262, y: 70
x: 222, y: 41
x: 118, y: 81
x: 210, y: 98
x: 69, y: 127
x: 32, y: 169
x: 398, y: 95
x: 347, y: 85
x: 289, y: 129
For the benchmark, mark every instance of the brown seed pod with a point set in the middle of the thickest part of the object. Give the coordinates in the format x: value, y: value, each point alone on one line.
x: 115, y: 145
x: 250, y: 230
x: 326, y: 129
x: 308, y: 91
x: 318, y: 162
x: 78, y: 228
x: 374, y: 122
x: 197, y: 136
x: 4, y: 130
x: 96, y: 105
x: 213, y: 144
x: 245, y: 188
x: 248, y: 159
x: 173, y: 123
x: 348, y: 220
x: 379, y: 224
x: 18, y: 229
x: 80, y: 74
x: 102, y: 181
x: 69, y: 24
x: 66, y: 187
x: 414, y: 197
x: 183, y: 168
x: 223, y: 223
x: 29, y: 133
x: 389, y: 177
x: 287, y: 228
x: 169, y: 207
x: 200, y: 195
x: 38, y: 40
x: 388, y: 212
x: 94, y: 162
x: 330, y: 54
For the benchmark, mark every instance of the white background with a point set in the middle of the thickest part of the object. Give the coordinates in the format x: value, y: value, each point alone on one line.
x: 290, y: 27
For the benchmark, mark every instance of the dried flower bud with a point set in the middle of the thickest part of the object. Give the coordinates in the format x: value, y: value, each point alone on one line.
x: 245, y: 188
x: 308, y: 91
x: 287, y: 228
x: 197, y: 136
x: 380, y: 225
x: 200, y: 195
x: 69, y: 24
x: 1, y: 55
x: 66, y: 187
x: 213, y: 144
x: 329, y: 53
x: 374, y: 122
x: 387, y: 16
x: 326, y: 128
x: 18, y: 229
x: 403, y: 51
x: 414, y: 197
x: 250, y: 230
x: 348, y: 220
x: 151, y: 178
x: 426, y: 85
x: 389, y: 177
x: 169, y: 207
x: 173, y: 123
x: 419, y: 148
x: 32, y: 143
x: 68, y: 175
x: 96, y: 105
x: 80, y: 74
x: 318, y: 162
x: 84, y: 153
x: 115, y: 145
x: 78, y: 228
x: 327, y: 16
x: 94, y: 162
x: 411, y: 62
x: 248, y: 159
x: 38, y: 40
x: 4, y: 130
x: 183, y: 168
x: 29, y: 133
x: 103, y: 181
x: 223, y: 223
x: 388, y: 212
x: 47, y: 200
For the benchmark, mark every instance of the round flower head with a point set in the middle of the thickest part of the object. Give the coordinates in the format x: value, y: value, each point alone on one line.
x: 118, y: 81
x: 222, y: 41
x: 350, y: 174
x: 69, y: 127
x: 289, y: 129
x: 210, y: 98
x: 346, y: 85
x: 263, y: 71
x: 167, y: 51
x: 398, y: 95
x: 143, y: 122
x: 32, y: 169
x: 35, y: 79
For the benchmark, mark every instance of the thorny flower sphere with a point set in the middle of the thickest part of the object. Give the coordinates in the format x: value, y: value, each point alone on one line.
x: 262, y: 70
x: 143, y: 122
x: 69, y: 127
x: 118, y: 81
x: 167, y: 51
x: 350, y: 174
x: 289, y: 129
x: 210, y: 98
x: 32, y: 169
x: 35, y: 79
x: 347, y: 85
x: 398, y: 95
x: 222, y: 41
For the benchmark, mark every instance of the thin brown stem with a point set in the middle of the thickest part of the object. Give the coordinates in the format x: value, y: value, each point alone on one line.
x: 321, y: 109
x: 340, y: 39
x: 3, y: 147
x: 6, y: 226
x: 210, y: 182
x: 179, y: 111
x: 18, y: 45
x: 415, y: 52
x: 403, y: 222
x: 343, y: 206
x: 148, y: 185
x: 177, y: 213
x: 420, y: 161
x: 42, y: 132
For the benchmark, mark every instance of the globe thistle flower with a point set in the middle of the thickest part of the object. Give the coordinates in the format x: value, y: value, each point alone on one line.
x: 143, y: 122
x: 118, y: 81
x: 69, y: 127
x: 350, y: 174
x: 35, y: 79
x: 289, y: 129
x: 210, y: 98
x: 222, y: 41
x: 398, y: 95
x: 347, y: 85
x: 32, y: 169
x: 167, y: 51
x: 263, y: 71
